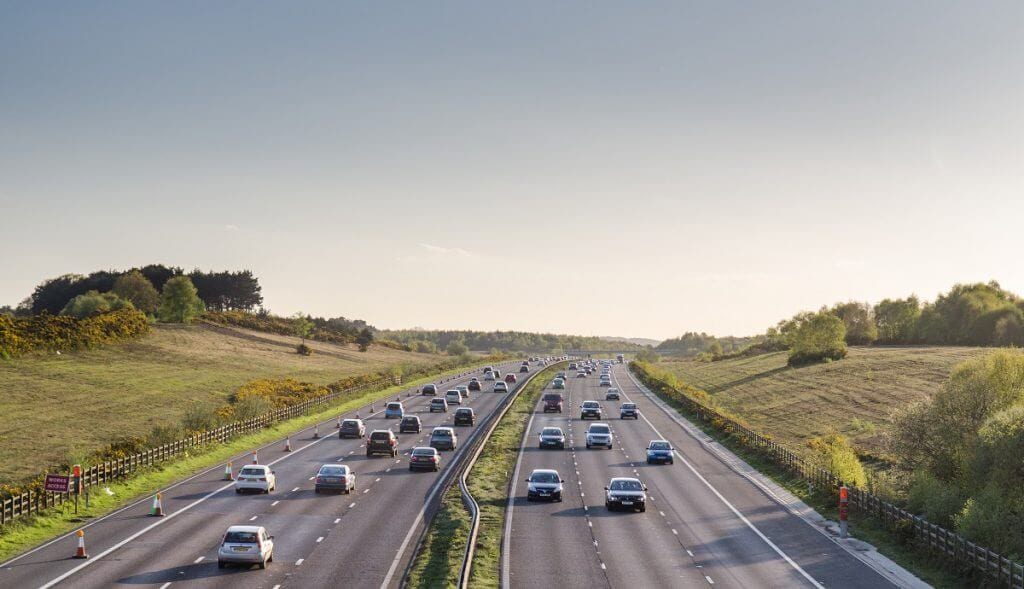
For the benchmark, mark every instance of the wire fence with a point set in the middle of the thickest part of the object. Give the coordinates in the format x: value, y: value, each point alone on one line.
x: 33, y: 502
x: 935, y: 538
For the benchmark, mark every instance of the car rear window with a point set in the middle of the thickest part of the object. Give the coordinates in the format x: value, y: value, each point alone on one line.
x: 241, y: 537
x: 466, y: 411
x: 332, y: 471
x: 349, y: 423
x: 252, y: 471
x: 591, y: 404
x: 424, y: 452
x: 552, y: 397
x: 437, y: 402
x: 380, y: 436
x: 442, y: 433
x: 626, y: 486
x: 659, y: 446
x: 412, y: 419
x: 629, y: 405
x: 394, y: 405
x: 544, y: 477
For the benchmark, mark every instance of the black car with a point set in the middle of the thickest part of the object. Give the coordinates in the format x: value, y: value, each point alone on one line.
x: 382, y: 441
x: 352, y: 428
x: 474, y: 385
x: 629, y: 410
x: 464, y: 416
x: 429, y: 389
x: 590, y: 410
x: 410, y: 425
x: 524, y: 369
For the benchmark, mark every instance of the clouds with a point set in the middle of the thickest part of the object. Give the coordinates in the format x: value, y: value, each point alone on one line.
x: 438, y: 254
x: 436, y: 250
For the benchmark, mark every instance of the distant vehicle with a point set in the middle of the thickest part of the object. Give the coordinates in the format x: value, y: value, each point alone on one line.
x: 622, y: 493
x: 246, y: 545
x: 544, y: 484
x: 488, y: 369
x: 443, y: 438
x: 560, y: 375
x: 599, y: 434
x: 590, y: 410
x: 500, y: 387
x: 453, y: 397
x: 611, y: 395
x: 572, y: 366
x: 474, y: 385
x: 620, y: 358
x: 489, y: 376
x: 629, y: 410
x: 429, y: 389
x: 660, y: 451
x: 424, y: 458
x: 510, y: 378
x: 464, y: 416
x: 497, y: 375
x: 558, y: 384
x: 410, y: 425
x: 382, y: 441
x: 394, y: 410
x: 255, y: 477
x: 552, y: 437
x: 524, y: 368
x: 352, y: 428
x: 334, y: 477
x: 552, y: 402
x: 463, y: 390
x: 581, y: 374
x: 439, y: 404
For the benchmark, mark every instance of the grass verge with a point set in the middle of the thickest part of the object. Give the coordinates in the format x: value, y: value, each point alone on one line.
x: 930, y: 568
x: 23, y: 534
x: 438, y: 561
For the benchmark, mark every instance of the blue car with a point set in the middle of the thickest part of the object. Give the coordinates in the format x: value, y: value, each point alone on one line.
x: 394, y: 410
x: 660, y: 451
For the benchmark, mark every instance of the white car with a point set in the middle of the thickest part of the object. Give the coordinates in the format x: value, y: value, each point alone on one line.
x: 255, y: 477
x: 599, y: 434
x: 489, y: 376
x: 246, y: 545
x: 453, y: 397
x: 500, y: 387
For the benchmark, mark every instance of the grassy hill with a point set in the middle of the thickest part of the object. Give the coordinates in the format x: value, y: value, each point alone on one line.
x: 854, y: 396
x: 55, y: 406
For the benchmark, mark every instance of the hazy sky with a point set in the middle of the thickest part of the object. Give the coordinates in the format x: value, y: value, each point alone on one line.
x: 612, y: 168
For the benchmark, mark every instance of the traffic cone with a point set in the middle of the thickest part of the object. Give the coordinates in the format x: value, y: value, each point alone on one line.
x: 288, y: 444
x: 339, y: 423
x: 158, y: 506
x: 227, y: 472
x: 80, y: 552
x: 255, y: 460
x: 316, y: 430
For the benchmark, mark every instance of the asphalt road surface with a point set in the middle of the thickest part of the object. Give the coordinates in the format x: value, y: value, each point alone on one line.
x: 364, y: 539
x: 705, y: 524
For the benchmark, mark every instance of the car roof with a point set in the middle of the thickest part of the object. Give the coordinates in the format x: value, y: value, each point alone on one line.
x: 334, y: 465
x: 425, y: 449
x: 441, y: 428
x: 598, y: 423
x: 263, y: 466
x: 544, y: 471
x: 437, y: 400
x: 464, y: 410
x: 410, y: 417
x: 250, y: 529
x: 625, y: 479
x: 657, y: 441
x: 381, y: 431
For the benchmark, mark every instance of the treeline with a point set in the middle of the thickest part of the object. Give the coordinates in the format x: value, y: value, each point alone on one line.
x: 219, y: 291
x: 505, y: 341
x: 337, y: 330
x: 693, y: 344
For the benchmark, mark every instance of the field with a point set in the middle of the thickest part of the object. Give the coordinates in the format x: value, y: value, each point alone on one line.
x: 854, y: 396
x: 53, y: 407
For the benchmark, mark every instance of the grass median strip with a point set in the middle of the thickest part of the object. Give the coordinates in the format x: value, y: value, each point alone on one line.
x: 438, y: 561
x: 23, y: 534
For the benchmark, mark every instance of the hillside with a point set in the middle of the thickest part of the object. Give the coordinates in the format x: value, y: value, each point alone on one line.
x: 854, y: 396
x: 57, y: 406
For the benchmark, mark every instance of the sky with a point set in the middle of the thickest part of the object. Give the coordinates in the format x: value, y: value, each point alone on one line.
x: 599, y: 168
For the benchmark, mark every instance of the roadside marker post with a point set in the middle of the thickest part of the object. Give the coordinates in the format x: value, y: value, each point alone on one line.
x: 80, y: 551
x: 316, y: 431
x: 158, y: 506
x: 288, y: 444
x: 255, y: 460
x: 339, y: 422
x: 844, y: 509
x: 227, y: 472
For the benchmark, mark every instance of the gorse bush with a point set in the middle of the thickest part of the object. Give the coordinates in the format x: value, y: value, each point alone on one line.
x: 19, y: 335
x: 303, y: 350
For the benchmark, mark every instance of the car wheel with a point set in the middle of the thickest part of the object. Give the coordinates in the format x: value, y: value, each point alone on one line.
x: 221, y: 564
x: 316, y: 490
x: 368, y: 454
x: 588, y: 446
x: 238, y: 491
x: 643, y: 509
x: 263, y: 564
x: 671, y: 461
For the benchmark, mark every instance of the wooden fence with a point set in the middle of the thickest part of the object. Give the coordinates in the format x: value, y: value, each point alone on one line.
x: 936, y: 538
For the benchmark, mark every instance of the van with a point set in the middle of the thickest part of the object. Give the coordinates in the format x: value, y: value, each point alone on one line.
x: 553, y: 402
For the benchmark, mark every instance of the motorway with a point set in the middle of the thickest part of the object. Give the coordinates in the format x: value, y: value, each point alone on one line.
x: 360, y: 540
x: 705, y: 524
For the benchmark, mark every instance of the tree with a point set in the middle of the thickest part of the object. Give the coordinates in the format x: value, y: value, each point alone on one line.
x: 456, y: 348
x: 896, y: 320
x: 821, y: 337
x: 302, y: 325
x: 179, y: 301
x: 859, y: 320
x: 137, y: 289
x: 364, y: 339
x: 647, y: 355
x: 93, y: 303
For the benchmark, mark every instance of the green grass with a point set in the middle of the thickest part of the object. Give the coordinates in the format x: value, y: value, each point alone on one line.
x: 854, y: 396
x: 935, y: 570
x: 23, y: 534
x: 439, y: 558
x: 55, y: 408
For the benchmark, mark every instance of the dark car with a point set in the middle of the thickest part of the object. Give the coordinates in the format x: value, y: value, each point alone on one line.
x: 552, y: 402
x: 590, y: 410
x: 429, y: 389
x: 629, y: 410
x: 524, y: 368
x: 443, y: 438
x: 510, y: 378
x: 438, y: 404
x: 464, y: 416
x: 334, y: 477
x: 352, y: 428
x: 423, y: 458
x: 474, y: 385
x: 382, y: 441
x: 410, y: 425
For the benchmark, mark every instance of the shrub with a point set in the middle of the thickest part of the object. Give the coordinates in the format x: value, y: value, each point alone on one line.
x: 994, y: 517
x: 835, y: 454
x: 137, y: 289
x: 938, y: 502
x: 19, y: 335
x: 93, y: 303
x: 820, y: 337
x: 303, y: 350
x: 456, y: 348
x: 179, y: 301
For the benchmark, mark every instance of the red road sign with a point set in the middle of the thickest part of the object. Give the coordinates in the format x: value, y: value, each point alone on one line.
x: 57, y: 483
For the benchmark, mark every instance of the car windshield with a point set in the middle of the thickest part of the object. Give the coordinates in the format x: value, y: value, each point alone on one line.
x: 349, y: 423
x: 599, y: 429
x: 544, y: 477
x: 252, y: 471
x: 660, y: 446
x: 551, y: 431
x: 410, y: 420
x: 591, y: 404
x: 626, y: 486
x: 442, y: 433
x: 241, y: 537
x: 463, y: 411
x: 332, y: 471
x: 423, y: 452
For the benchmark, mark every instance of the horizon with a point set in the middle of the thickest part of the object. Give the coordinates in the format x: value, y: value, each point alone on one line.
x: 585, y: 169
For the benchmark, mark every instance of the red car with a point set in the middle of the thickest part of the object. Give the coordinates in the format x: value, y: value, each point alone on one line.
x: 510, y: 378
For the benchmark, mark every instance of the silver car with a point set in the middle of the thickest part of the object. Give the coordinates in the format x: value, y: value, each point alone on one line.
x: 246, y: 545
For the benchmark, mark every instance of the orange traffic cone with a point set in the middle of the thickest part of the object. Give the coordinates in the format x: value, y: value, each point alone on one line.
x: 158, y: 506
x: 80, y: 552
x: 255, y: 460
x: 227, y: 472
x: 288, y: 444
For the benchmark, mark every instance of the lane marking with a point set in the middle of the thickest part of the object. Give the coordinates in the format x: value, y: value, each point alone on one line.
x: 320, y: 539
x: 198, y: 560
x: 351, y: 505
x: 300, y: 561
x: 295, y: 489
x: 275, y: 503
x: 253, y: 518
x: 337, y: 520
x: 168, y: 584
x: 725, y: 501
x: 710, y: 582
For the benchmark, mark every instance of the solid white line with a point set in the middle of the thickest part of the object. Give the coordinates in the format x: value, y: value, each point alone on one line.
x: 688, y: 552
x: 165, y: 585
x: 722, y: 498
x: 351, y: 505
